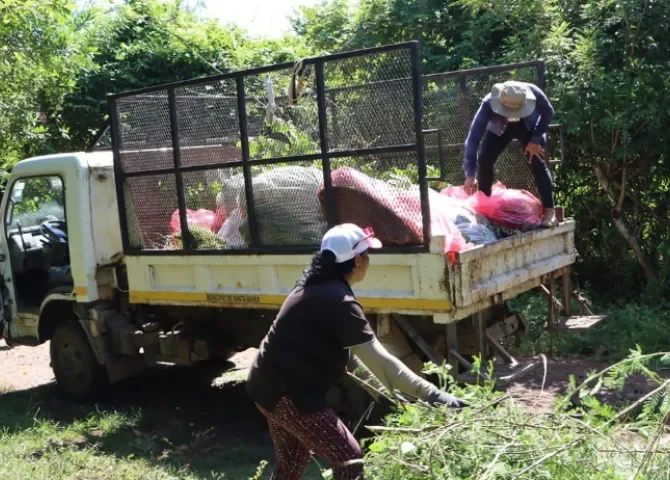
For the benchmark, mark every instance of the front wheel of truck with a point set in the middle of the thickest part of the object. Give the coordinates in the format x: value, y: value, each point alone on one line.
x: 78, y: 373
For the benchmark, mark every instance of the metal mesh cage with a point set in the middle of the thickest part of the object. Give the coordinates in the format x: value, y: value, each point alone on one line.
x: 370, y: 102
x: 209, y: 125
x: 144, y: 131
x: 234, y: 162
x: 276, y: 127
x: 243, y: 161
x: 150, y: 202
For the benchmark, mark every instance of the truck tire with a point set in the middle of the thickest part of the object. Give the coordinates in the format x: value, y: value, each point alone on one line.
x: 78, y: 374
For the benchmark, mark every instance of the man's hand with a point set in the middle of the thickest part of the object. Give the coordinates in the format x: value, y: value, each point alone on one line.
x: 470, y: 185
x: 534, y: 150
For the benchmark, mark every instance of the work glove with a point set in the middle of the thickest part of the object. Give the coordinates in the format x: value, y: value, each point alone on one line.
x: 438, y: 397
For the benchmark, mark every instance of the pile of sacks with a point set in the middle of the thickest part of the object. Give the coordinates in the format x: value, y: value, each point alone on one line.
x: 290, y: 208
x: 395, y: 213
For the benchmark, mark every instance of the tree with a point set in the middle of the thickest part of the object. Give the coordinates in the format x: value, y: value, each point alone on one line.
x: 150, y: 42
x: 41, y: 56
x: 606, y: 61
x: 450, y: 38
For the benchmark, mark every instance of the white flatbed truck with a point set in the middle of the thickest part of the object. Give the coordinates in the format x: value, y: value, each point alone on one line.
x: 110, y: 311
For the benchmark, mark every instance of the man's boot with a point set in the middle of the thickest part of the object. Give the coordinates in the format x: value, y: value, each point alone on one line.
x: 549, y: 219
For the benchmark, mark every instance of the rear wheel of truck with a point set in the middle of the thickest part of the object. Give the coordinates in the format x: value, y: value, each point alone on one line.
x: 78, y: 374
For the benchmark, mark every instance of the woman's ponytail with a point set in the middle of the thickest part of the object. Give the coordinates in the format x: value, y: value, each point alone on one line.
x: 323, y: 269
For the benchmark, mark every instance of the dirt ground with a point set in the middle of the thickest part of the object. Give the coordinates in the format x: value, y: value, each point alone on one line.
x: 28, y: 367
x: 531, y: 393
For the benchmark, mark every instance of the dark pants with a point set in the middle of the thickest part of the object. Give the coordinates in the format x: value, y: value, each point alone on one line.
x: 296, y: 435
x: 491, y: 148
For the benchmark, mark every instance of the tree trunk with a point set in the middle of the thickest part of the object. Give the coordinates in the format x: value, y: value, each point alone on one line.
x: 628, y: 236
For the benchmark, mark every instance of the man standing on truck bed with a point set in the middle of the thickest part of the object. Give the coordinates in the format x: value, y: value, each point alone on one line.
x: 512, y: 110
x: 305, y: 354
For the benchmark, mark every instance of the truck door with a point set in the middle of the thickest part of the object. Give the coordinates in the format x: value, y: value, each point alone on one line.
x: 35, y: 248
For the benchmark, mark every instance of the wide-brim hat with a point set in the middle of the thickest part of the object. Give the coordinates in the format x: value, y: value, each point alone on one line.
x: 512, y: 99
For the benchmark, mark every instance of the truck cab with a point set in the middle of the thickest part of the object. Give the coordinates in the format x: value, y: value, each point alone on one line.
x: 59, y: 233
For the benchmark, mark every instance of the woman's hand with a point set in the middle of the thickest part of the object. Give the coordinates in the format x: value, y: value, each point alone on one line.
x: 443, y: 398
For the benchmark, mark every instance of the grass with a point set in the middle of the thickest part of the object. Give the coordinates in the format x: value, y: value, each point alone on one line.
x: 155, y: 434
x: 630, y: 324
x: 41, y: 438
x: 232, y: 377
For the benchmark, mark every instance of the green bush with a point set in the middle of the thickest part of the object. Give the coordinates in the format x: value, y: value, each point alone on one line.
x: 504, y: 440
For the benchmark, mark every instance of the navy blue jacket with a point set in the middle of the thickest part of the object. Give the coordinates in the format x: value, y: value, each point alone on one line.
x: 486, y: 119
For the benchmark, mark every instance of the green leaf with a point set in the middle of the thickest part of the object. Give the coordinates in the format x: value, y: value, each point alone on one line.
x: 377, y: 447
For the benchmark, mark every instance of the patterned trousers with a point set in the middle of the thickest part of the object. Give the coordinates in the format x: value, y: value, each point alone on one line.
x: 296, y: 435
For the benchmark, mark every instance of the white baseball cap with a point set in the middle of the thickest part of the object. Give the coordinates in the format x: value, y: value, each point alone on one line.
x: 348, y: 240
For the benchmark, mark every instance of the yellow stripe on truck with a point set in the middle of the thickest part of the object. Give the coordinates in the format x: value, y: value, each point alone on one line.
x: 81, y: 291
x: 265, y: 301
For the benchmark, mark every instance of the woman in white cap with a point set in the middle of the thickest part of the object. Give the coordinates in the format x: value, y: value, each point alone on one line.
x: 305, y: 354
x: 512, y: 110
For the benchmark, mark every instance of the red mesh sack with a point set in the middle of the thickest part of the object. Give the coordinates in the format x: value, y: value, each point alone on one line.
x: 394, y: 214
x: 510, y: 208
x: 202, y: 218
x: 362, y: 200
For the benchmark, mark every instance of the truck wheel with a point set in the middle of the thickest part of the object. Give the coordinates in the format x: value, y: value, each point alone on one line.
x: 78, y: 373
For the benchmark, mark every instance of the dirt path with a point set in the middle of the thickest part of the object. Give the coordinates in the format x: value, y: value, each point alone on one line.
x: 24, y: 367
x: 529, y: 391
x: 212, y: 396
x: 28, y: 367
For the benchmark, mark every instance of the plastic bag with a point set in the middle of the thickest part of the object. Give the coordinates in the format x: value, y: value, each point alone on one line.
x: 230, y: 231
x: 510, y: 208
x: 457, y: 193
x: 474, y: 226
x: 202, y: 218
x: 442, y: 224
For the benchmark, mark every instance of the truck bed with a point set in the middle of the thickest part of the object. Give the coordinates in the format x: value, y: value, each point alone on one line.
x: 454, y: 287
